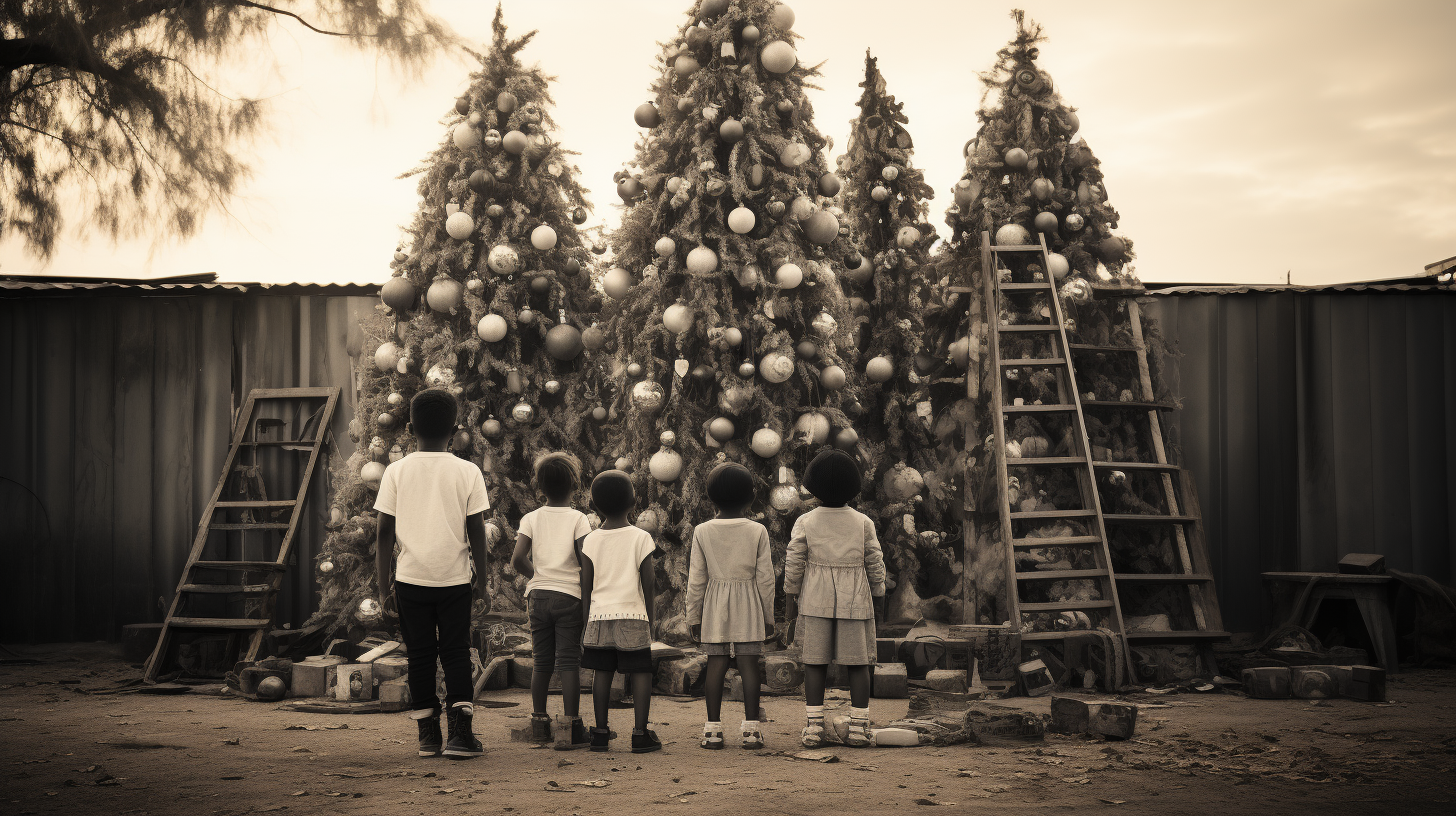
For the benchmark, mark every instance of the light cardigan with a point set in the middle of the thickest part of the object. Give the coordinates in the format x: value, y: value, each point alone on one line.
x: 731, y: 581
x: 616, y: 557
x: 834, y: 564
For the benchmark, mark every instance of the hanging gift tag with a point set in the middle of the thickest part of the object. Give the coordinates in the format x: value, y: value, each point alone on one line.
x: 784, y: 477
x: 680, y: 367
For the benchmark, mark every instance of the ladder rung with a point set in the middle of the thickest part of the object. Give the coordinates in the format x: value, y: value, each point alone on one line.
x: 1175, y: 634
x: 1035, y: 361
x: 227, y: 589
x: 315, y: 392
x: 1017, y: 248
x: 1032, y: 409
x: 1135, y: 466
x: 300, y: 444
x: 1064, y: 606
x: 239, y: 565
x: 1030, y: 327
x: 1054, y: 541
x: 217, y: 623
x: 1023, y: 287
x: 1046, y: 460
x: 1145, y: 406
x: 1091, y: 347
x: 959, y: 290
x: 256, y: 505
x: 269, y: 526
x: 1147, y: 518
x: 1165, y: 578
x: 1052, y: 514
x: 1060, y: 575
x: 1059, y: 635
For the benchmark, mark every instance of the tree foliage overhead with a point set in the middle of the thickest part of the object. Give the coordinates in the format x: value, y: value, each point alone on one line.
x: 115, y: 103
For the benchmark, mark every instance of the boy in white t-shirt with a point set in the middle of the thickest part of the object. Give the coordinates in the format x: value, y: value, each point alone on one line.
x: 433, y: 505
x: 618, y: 587
x: 548, y: 545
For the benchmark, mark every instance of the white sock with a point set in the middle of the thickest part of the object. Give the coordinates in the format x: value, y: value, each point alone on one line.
x: 712, y: 726
x: 859, y: 713
x: 814, y: 712
x: 468, y: 708
x: 749, y: 725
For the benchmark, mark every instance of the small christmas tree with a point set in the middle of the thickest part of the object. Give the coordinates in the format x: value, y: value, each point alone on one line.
x: 727, y: 317
x: 885, y: 205
x: 489, y: 297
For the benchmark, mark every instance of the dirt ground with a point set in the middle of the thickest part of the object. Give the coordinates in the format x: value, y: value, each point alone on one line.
x: 65, y: 751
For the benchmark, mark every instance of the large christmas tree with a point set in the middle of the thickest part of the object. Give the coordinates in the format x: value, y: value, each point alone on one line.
x: 1028, y: 175
x: 490, y: 294
x: 885, y: 205
x: 727, y: 317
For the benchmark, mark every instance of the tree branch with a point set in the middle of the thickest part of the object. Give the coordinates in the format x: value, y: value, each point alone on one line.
x: 306, y: 24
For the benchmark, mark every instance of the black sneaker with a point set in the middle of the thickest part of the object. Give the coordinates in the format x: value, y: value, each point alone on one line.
x: 645, y: 743
x: 571, y: 734
x: 431, y: 741
x: 462, y: 743
x: 540, y: 728
x: 600, y: 739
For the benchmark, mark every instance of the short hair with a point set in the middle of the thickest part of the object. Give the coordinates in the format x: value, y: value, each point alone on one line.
x: 432, y: 413
x: 612, y: 493
x: 833, y: 477
x: 556, y: 474
x: 730, y: 486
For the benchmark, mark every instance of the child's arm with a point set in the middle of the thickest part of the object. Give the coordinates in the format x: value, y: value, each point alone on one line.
x: 874, y: 560
x: 766, y: 582
x: 697, y: 585
x: 588, y: 573
x: 521, y: 558
x: 384, y: 558
x: 647, y: 573
x: 475, y: 531
x: 795, y: 556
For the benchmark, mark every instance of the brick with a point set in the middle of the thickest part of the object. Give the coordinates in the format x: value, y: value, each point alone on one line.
x: 394, y: 694
x: 890, y: 682
x: 1115, y: 721
x: 946, y: 680
x: 1266, y: 682
x: 1313, y: 682
x: 1070, y: 716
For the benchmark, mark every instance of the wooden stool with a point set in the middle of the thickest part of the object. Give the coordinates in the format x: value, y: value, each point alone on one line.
x: 1371, y: 594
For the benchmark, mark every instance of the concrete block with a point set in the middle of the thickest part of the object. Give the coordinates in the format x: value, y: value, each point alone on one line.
x: 394, y: 694
x: 1267, y: 682
x: 354, y: 682
x: 946, y: 680
x: 314, y: 676
x: 1115, y: 721
x: 895, y: 737
x: 1070, y: 716
x: 1313, y: 682
x: 390, y: 667
x: 1365, y: 683
x: 890, y: 682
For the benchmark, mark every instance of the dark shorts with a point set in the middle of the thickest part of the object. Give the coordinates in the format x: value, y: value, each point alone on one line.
x: 556, y: 626
x: 615, y: 660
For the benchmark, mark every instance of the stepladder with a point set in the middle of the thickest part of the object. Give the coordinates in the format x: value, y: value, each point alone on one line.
x: 227, y: 593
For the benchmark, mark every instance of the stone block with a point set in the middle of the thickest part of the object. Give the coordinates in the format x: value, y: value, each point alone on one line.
x: 1365, y: 683
x: 890, y: 682
x: 1267, y: 682
x: 314, y: 676
x: 1070, y: 716
x: 896, y: 737
x: 394, y: 694
x: 391, y: 667
x: 354, y: 682
x: 1115, y: 721
x: 1314, y: 682
x: 946, y: 680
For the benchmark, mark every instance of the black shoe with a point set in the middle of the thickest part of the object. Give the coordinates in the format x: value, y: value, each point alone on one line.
x: 600, y: 737
x: 462, y: 743
x: 431, y: 740
x: 571, y: 734
x: 540, y: 728
x: 645, y: 743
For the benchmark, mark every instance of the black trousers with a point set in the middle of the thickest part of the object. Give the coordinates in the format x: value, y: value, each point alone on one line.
x: 435, y: 622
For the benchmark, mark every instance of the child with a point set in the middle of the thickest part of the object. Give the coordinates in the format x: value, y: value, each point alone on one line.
x: 730, y: 600
x: 618, y: 587
x: 430, y: 502
x: 547, y: 553
x: 832, y: 571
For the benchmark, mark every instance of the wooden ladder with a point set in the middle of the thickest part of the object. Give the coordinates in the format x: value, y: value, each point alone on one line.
x: 1078, y: 459
x: 257, y: 581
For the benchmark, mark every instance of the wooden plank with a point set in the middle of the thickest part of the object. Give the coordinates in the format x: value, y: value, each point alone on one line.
x: 1066, y: 606
x: 1089, y: 347
x: 275, y: 504
x: 1045, y: 461
x: 238, y: 565
x: 1055, y: 541
x: 1147, y: 518
x: 226, y: 589
x: 1060, y: 575
x: 1180, y: 578
x: 1135, y: 466
x: 1045, y: 361
x: 1177, y: 634
x: 1027, y: 327
x: 998, y: 422
x: 317, y: 392
x: 218, y: 623
x: 1037, y: 409
x: 250, y: 526
x: 1142, y: 405
x: 1024, y: 287
x: 1052, y: 514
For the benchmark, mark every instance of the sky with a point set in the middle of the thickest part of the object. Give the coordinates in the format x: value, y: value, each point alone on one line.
x: 1242, y: 142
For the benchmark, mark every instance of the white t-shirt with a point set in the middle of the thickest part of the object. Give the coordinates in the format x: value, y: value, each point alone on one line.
x: 553, y: 532
x: 616, y: 556
x: 430, y: 493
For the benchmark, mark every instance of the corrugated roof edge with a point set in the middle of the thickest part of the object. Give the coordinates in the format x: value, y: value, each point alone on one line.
x: 99, y: 286
x: 1155, y: 289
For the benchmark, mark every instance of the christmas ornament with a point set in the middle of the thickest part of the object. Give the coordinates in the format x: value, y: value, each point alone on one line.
x: 371, y: 473
x: 890, y: 173
x: 461, y: 441
x: 474, y: 285
x: 712, y: 9
x: 788, y: 276
x: 515, y: 142
x: 807, y: 350
x: 1016, y: 158
x: 879, y: 369
x: 629, y: 188
x: 578, y: 215
x: 1112, y: 250
x: 677, y: 318
x: 907, y: 237
x: 665, y: 246
x: 778, y: 57
x: 505, y: 102
x: 400, y: 256
x: 784, y: 498
x: 617, y: 283
x: 1058, y: 265
x: 563, y: 342
x: 649, y: 521
x: 776, y: 367
x: 593, y: 338
x: 459, y: 226
x: 802, y: 207
x: 599, y: 413
x: 880, y: 192
x: 782, y: 17
x: 822, y: 228
x: 812, y: 427
x: 730, y: 131
x: 665, y: 465
x: 747, y: 370
x: 702, y: 260
x: 1042, y: 189
x: 794, y: 154
x: 398, y: 294
x: 395, y: 398
x: 1073, y: 123
x: 716, y: 187
x: 523, y: 412
x: 862, y: 271
x: 966, y: 192
x: 326, y: 567
x: 543, y: 238
x: 685, y: 65
x: 571, y: 266
x: 634, y: 370
x: 1075, y: 222
x: 514, y: 382
x: 829, y: 185
x: 702, y: 374
x: 491, y: 427
x: 734, y: 400
x: 503, y: 259
x: 1077, y: 291
x: 1045, y: 222
x: 647, y: 395
x: 647, y: 116
x: 732, y: 336
x: 766, y: 442
x: 960, y: 352
x: 846, y: 439
x: 369, y: 612
x: 824, y: 324
x: 784, y: 106
x: 776, y: 208
x: 721, y: 429
x: 462, y: 105
x: 541, y: 284
x: 466, y: 136
x: 495, y: 211
x: 439, y: 376
x: 1035, y: 446
x: 750, y: 34
x: 903, y: 482
x: 406, y: 363
x: 492, y: 328
x: 832, y: 378
x: 1012, y: 235
x: 445, y: 295
x: 742, y: 220
x: 396, y: 453
x: 526, y: 317
x: 492, y: 139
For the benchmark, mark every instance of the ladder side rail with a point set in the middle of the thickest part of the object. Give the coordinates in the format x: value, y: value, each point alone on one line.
x: 998, y: 422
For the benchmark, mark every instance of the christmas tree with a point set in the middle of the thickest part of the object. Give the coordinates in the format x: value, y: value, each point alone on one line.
x: 727, y: 316
x: 885, y: 205
x: 1027, y: 177
x: 491, y: 291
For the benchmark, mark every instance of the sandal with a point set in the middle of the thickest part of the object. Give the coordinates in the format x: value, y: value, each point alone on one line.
x: 752, y: 737
x: 813, y: 734
x: 712, y: 738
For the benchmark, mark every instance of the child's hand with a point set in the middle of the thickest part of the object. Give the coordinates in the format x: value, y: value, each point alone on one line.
x: 697, y: 632
x: 770, y: 632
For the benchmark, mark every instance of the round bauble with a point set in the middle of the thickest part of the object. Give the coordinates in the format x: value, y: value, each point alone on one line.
x: 1112, y: 250
x: 541, y: 284
x: 712, y: 9
x: 398, y: 294
x: 829, y: 185
x: 503, y: 259
x: 439, y: 376
x: 667, y: 439
x: 784, y: 106
x: 766, y: 442
x: 721, y: 429
x: 634, y: 369
x: 1077, y: 291
x: 629, y: 188
x: 846, y: 439
x: 368, y: 611
x: 778, y: 57
x: 890, y: 173
x: 903, y: 482
x: 685, y: 65
x: 1016, y: 158
x: 824, y: 324
x: 1058, y: 265
x: 563, y: 342
x: 821, y: 228
x: 525, y: 317
x: 776, y: 208
x: 445, y: 295
x: 794, y: 154
x: 1073, y: 123
x: 495, y: 210
x: 617, y: 283
x: 506, y: 102
x: 813, y: 427
x: 371, y: 473
x: 880, y: 192
x: 648, y: 396
x: 399, y: 255
x: 461, y: 441
x: 515, y: 142
x: 677, y: 318
x: 832, y: 378
x: 665, y: 246
x: 480, y: 182
x: 747, y: 370
x: 492, y: 328
x: 702, y: 260
x: 386, y: 421
x: 647, y: 115
x: 523, y: 412
x: 862, y: 271
x: 327, y: 567
x: 802, y: 207
x: 1012, y: 235
x: 750, y: 34
x: 570, y: 266
x: 465, y: 136
x: 665, y: 465
x: 701, y: 374
x: 782, y: 17
x: 788, y: 276
x: 907, y: 237
x: 1045, y: 222
x: 647, y: 520
x: 491, y: 427
x: 784, y: 498
x: 966, y: 192
x: 1075, y: 222
x: 735, y: 399
x: 731, y: 131
x: 732, y: 336
x: 406, y: 363
x: 879, y: 369
x: 462, y: 105
x: 395, y: 398
x: 807, y: 350
x: 543, y: 237
x: 459, y: 226
x: 599, y: 413
x: 776, y: 367
x: 593, y: 338
x: 578, y: 215
x: 492, y: 533
x: 396, y: 453
x: 492, y: 138
x: 742, y: 220
x: 1042, y: 189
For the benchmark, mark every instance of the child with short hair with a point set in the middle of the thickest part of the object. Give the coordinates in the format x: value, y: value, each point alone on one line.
x: 618, y: 587
x: 548, y: 546
x: 432, y: 503
x: 833, y: 571
x: 730, y: 598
